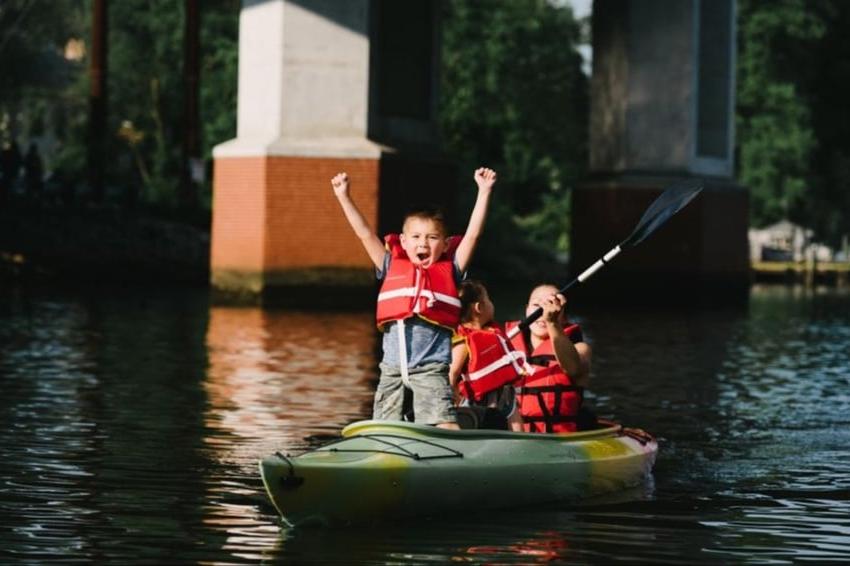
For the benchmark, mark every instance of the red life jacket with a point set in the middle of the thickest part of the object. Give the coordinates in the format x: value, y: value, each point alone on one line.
x: 410, y: 290
x: 549, y: 401
x: 492, y: 361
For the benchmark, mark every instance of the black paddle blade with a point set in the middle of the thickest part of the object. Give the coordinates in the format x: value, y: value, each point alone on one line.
x: 668, y: 203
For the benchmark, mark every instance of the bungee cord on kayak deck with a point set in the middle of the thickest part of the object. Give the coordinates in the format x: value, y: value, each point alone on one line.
x: 381, y: 438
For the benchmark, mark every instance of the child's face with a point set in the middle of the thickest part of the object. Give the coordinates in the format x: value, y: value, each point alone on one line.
x: 486, y: 309
x: 538, y: 295
x: 423, y: 241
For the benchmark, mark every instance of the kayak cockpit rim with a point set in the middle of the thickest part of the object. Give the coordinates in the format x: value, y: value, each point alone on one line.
x: 371, y: 427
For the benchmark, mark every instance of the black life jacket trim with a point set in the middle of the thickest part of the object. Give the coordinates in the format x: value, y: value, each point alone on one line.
x: 548, y: 418
x: 526, y: 389
x: 541, y: 359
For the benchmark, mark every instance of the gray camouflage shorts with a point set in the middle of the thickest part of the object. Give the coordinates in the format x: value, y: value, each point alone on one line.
x: 432, y: 396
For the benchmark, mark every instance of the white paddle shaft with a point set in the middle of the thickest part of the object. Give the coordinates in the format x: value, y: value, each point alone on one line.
x: 585, y: 275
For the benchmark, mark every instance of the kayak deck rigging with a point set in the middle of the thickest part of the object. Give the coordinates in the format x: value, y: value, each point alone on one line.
x: 387, y: 443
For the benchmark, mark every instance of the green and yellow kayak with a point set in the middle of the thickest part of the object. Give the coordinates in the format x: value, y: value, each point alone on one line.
x: 385, y: 470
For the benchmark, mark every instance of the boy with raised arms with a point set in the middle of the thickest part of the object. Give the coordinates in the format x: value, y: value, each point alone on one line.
x: 418, y: 306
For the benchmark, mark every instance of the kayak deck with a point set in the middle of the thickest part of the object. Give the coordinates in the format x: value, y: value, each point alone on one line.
x: 394, y: 444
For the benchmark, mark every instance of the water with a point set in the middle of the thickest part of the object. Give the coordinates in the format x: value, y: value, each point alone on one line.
x: 132, y: 424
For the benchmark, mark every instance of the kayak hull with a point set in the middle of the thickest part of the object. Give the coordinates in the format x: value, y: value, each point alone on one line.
x: 385, y: 470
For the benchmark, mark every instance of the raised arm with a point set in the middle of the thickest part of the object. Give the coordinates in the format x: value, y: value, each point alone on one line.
x: 371, y: 243
x: 485, y: 179
x: 573, y: 358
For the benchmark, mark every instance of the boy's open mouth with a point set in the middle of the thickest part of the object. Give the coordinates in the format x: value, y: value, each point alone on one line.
x: 423, y: 256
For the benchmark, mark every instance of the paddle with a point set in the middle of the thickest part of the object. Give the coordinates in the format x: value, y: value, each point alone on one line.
x: 668, y: 203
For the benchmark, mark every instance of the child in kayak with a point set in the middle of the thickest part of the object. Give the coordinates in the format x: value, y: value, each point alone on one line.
x: 550, y: 397
x: 418, y: 306
x: 484, y: 364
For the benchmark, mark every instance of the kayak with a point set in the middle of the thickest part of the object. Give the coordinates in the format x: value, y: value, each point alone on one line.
x: 386, y: 470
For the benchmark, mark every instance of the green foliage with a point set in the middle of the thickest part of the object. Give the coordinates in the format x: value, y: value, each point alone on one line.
x: 514, y: 98
x: 219, y: 63
x: 774, y: 124
x: 828, y: 88
x: 33, y: 36
x: 146, y: 89
x: 49, y: 93
x: 552, y: 219
x: 32, y: 39
x: 793, y: 84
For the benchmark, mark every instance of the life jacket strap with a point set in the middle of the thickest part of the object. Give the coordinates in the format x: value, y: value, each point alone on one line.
x: 548, y: 418
x: 530, y: 390
x: 416, y: 293
x: 541, y: 359
x: 513, y: 359
x: 551, y: 418
x: 402, y: 354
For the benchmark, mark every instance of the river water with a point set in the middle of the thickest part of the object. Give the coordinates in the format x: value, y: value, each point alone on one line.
x: 131, y: 425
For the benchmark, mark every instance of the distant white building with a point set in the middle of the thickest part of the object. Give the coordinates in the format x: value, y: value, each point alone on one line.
x: 786, y: 241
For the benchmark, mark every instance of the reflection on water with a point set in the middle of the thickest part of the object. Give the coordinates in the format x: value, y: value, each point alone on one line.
x: 132, y: 426
x: 273, y: 379
x: 272, y: 376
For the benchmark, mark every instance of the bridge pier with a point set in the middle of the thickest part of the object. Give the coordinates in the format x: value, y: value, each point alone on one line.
x: 323, y: 87
x: 662, y: 110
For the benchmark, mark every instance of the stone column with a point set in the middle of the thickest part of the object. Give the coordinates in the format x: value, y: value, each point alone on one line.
x: 663, y: 110
x: 309, y: 106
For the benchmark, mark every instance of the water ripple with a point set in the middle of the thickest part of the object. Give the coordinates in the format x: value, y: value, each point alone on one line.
x: 132, y: 426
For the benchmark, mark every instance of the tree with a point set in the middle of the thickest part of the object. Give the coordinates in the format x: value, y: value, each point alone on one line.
x: 793, y: 83
x: 514, y: 97
x: 828, y: 88
x: 146, y: 87
x: 145, y: 93
x: 42, y: 87
x: 775, y: 135
x: 37, y: 59
x: 219, y: 64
